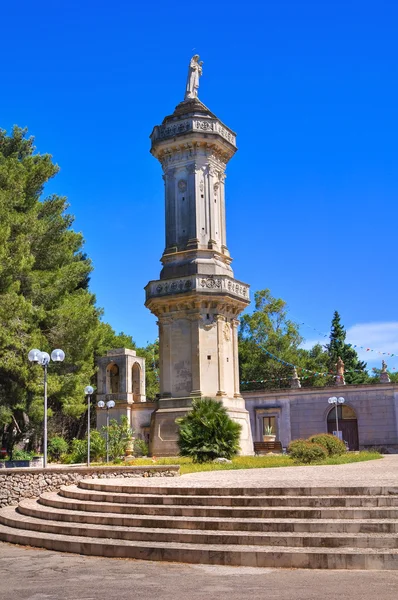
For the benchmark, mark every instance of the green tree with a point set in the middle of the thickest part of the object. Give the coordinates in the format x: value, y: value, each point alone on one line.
x: 44, y: 298
x: 315, y: 361
x: 355, y: 369
x: 207, y: 432
x: 267, y: 329
x: 151, y: 354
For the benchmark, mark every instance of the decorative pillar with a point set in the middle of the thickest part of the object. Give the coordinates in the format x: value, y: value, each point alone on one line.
x: 220, y: 320
x: 235, y: 327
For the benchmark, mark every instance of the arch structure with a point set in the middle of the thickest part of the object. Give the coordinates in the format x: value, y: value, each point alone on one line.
x: 347, y: 424
x: 121, y: 377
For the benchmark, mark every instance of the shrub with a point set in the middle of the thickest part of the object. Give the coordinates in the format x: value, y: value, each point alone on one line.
x: 19, y: 454
x: 57, y: 446
x: 79, y: 449
x: 207, y: 432
x: 120, y: 434
x: 333, y: 445
x: 140, y: 448
x: 306, y: 452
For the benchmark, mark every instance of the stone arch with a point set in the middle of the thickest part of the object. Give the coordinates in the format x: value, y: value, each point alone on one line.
x: 136, y: 381
x: 112, y: 379
x: 348, y: 424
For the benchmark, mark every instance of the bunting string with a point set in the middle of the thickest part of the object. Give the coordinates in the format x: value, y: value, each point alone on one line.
x: 357, y: 346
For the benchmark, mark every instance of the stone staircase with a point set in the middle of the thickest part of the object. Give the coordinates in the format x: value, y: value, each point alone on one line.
x: 330, y: 527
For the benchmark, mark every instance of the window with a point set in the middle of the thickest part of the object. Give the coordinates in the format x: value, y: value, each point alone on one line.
x: 267, y: 423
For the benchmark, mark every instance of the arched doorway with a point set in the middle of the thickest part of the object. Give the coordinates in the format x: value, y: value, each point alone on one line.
x: 113, y: 384
x: 348, y: 424
x: 136, y: 382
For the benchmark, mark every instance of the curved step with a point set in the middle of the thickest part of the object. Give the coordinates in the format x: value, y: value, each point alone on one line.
x: 12, y: 518
x: 75, y: 492
x: 57, y: 501
x: 255, y: 556
x: 109, y: 485
x: 33, y: 508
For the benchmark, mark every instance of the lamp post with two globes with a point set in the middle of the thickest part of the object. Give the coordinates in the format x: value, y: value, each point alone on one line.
x: 110, y: 404
x: 43, y: 359
x: 88, y: 390
x: 336, y: 402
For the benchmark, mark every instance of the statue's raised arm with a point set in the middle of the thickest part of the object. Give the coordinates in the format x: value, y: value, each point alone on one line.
x: 194, y: 72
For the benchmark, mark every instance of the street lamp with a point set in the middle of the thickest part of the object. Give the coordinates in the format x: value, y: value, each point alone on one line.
x: 88, y: 390
x: 336, y: 402
x: 43, y: 358
x: 110, y: 404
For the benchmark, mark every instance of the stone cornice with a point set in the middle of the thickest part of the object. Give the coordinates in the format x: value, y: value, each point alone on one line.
x: 202, y: 284
x: 198, y: 123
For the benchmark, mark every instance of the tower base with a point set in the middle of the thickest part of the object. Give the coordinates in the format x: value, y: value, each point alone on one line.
x: 164, y: 429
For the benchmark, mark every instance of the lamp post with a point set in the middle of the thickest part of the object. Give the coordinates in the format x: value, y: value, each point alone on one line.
x: 336, y: 402
x: 43, y: 359
x: 110, y: 404
x: 88, y: 390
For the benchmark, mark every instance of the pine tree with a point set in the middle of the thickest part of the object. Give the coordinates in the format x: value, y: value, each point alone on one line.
x: 267, y: 330
x: 44, y: 301
x: 355, y: 369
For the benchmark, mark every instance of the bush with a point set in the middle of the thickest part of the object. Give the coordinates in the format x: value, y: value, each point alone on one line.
x: 333, y: 445
x: 57, y: 446
x: 207, y: 432
x: 79, y: 449
x: 18, y: 454
x: 120, y: 434
x: 306, y: 452
x: 141, y: 448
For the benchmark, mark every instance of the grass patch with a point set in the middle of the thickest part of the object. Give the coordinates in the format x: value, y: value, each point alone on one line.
x: 252, y: 462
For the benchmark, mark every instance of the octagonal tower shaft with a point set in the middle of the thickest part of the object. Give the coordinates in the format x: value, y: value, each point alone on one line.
x: 197, y: 300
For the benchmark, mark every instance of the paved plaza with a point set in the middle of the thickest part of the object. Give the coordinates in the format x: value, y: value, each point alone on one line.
x: 30, y: 574
x: 382, y: 472
x: 34, y: 574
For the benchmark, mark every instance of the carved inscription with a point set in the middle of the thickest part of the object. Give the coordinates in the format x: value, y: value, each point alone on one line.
x: 173, y: 287
x: 211, y: 283
x: 173, y: 129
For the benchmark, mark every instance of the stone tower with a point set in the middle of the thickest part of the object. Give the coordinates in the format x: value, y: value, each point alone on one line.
x: 197, y: 299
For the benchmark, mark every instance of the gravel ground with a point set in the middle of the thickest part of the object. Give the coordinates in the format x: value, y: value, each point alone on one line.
x: 371, y: 473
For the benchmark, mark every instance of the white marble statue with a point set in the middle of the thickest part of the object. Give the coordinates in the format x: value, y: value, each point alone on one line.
x: 194, y: 72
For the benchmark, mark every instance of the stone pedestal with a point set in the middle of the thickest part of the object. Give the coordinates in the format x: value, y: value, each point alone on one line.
x: 384, y: 377
x: 197, y: 299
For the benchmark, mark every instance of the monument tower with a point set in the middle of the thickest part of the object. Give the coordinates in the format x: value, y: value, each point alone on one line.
x: 197, y: 299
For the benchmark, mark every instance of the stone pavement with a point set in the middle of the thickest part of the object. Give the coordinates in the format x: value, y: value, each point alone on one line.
x: 31, y: 574
x: 34, y: 574
x: 371, y: 473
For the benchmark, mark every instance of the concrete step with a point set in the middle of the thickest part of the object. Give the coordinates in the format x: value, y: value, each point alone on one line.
x: 110, y: 485
x: 246, y: 555
x: 73, y: 491
x: 33, y: 508
x: 11, y: 517
x: 57, y: 501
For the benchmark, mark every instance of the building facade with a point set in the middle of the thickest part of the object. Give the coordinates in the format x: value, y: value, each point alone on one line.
x: 121, y: 378
x: 367, y: 418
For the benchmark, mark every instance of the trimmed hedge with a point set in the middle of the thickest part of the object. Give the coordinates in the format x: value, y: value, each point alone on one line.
x: 333, y: 445
x: 306, y: 452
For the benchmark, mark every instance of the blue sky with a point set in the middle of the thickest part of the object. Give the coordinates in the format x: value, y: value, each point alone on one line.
x: 311, y: 88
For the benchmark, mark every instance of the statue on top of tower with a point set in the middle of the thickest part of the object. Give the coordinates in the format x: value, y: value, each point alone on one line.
x: 194, y: 72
